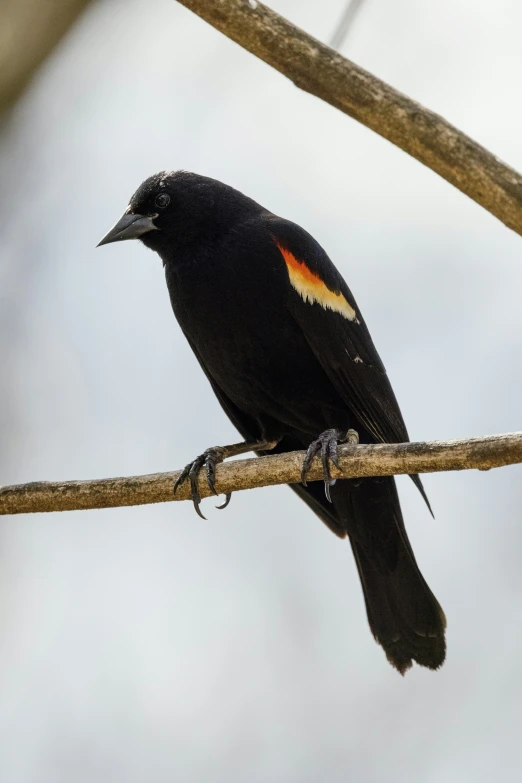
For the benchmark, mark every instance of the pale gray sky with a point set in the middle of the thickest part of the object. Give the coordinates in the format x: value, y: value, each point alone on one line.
x: 145, y: 644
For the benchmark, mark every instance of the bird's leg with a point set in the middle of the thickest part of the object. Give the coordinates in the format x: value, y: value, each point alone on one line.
x: 212, y: 457
x: 326, y: 445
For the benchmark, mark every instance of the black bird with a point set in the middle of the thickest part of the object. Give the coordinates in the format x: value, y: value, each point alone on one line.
x: 285, y: 348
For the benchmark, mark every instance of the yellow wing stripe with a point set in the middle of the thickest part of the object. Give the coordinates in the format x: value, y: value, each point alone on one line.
x: 312, y: 289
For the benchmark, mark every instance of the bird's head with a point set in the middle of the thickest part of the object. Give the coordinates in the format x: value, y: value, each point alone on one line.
x: 175, y: 209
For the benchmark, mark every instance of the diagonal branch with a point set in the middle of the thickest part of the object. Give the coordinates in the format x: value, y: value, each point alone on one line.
x: 355, y: 461
x: 319, y: 70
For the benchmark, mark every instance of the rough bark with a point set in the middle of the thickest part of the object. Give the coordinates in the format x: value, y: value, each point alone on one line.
x: 355, y: 461
x: 321, y: 71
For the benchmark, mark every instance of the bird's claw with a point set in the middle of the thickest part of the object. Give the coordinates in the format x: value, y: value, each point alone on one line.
x: 326, y: 446
x: 209, y: 459
x: 227, y: 501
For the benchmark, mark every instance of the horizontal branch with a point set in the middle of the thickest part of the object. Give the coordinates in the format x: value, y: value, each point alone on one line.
x: 355, y: 461
x: 321, y: 71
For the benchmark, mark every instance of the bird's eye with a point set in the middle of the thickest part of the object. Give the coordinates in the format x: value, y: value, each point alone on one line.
x: 162, y: 199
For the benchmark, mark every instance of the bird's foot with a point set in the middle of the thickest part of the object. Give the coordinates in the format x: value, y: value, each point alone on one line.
x: 326, y: 446
x: 209, y: 459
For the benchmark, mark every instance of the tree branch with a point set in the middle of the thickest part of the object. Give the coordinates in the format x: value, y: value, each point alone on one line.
x: 319, y: 70
x: 355, y: 461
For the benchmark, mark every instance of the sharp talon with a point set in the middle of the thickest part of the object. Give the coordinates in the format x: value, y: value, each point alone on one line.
x: 227, y: 501
x: 194, y: 489
x: 208, y: 459
x: 326, y: 470
x: 198, y: 512
x: 211, y: 474
x: 333, y: 453
x: 313, y: 449
x: 327, y: 491
x: 326, y: 445
x: 325, y: 461
x: 181, y: 478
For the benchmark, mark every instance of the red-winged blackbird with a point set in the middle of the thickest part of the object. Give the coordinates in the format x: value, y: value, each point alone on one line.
x: 280, y: 338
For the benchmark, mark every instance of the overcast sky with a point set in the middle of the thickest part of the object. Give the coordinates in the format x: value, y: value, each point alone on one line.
x: 146, y: 644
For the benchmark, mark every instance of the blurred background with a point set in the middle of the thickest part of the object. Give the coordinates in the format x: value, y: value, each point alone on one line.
x: 145, y: 644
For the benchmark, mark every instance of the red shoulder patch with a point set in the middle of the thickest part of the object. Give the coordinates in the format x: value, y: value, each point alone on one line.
x: 312, y: 289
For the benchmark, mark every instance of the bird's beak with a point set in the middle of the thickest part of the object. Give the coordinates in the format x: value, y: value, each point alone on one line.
x: 129, y: 226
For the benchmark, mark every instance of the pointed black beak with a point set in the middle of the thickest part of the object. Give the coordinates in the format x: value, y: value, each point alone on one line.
x: 129, y: 226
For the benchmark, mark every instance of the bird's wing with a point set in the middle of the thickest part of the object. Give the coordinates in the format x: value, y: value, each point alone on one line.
x: 323, y: 306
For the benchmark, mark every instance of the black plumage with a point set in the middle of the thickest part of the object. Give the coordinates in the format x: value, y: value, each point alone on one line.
x: 279, y: 336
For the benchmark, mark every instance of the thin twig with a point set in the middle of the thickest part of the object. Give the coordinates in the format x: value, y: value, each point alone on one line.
x: 355, y: 461
x: 345, y: 23
x: 321, y: 71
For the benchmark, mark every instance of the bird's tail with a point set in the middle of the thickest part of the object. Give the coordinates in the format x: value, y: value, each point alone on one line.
x: 404, y: 615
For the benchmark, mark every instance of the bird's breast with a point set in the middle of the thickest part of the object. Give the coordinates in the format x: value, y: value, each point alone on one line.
x: 248, y: 342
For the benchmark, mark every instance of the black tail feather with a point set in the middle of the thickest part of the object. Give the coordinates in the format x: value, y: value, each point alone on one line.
x: 404, y: 615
